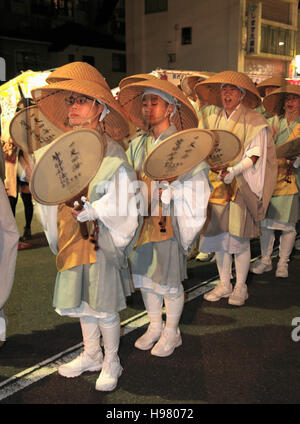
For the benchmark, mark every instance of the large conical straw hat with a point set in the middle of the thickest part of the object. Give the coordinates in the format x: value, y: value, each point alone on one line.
x: 274, y: 102
x: 80, y: 71
x: 188, y: 82
x: 130, y: 98
x: 136, y: 78
x: 209, y: 90
x: 276, y: 81
x: 51, y: 100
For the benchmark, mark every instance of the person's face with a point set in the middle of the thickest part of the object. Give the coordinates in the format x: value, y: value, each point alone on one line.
x: 292, y: 104
x: 231, y: 97
x: 155, y: 110
x: 270, y: 89
x: 81, y: 109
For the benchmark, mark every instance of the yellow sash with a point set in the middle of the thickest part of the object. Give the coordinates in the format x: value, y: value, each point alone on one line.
x: 223, y: 193
x: 286, y: 179
x: 150, y: 231
x: 73, y: 249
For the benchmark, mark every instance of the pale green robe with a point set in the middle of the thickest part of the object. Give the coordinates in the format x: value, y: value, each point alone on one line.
x: 282, y: 209
x: 100, y: 288
x: 161, y: 266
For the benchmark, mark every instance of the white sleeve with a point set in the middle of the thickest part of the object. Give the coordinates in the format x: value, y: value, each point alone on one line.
x: 117, y: 209
x: 255, y: 176
x: 48, y: 218
x: 190, y: 206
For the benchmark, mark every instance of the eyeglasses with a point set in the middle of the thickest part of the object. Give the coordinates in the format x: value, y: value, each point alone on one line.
x: 79, y: 100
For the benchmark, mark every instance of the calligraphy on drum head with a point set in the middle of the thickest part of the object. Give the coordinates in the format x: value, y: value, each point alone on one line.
x: 67, y: 165
x: 38, y: 129
x: 217, y: 157
x: 179, y: 154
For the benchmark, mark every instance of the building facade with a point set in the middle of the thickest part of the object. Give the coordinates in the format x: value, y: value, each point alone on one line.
x: 44, y: 34
x: 253, y: 36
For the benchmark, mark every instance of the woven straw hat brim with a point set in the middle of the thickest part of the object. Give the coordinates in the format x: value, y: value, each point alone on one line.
x: 188, y: 82
x: 136, y: 78
x: 210, y: 90
x: 276, y: 81
x: 51, y: 100
x: 130, y: 98
x: 80, y: 71
x: 274, y: 102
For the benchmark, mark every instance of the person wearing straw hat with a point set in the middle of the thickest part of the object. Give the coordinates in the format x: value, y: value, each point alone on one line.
x: 283, y: 212
x: 158, y: 261
x: 134, y: 131
x: 266, y: 87
x: 242, y: 192
x: 188, y: 83
x: 89, y: 284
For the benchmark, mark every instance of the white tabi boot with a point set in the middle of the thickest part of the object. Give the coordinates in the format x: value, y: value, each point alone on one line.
x: 267, y: 239
x: 224, y: 288
x: 240, y: 292
x: 153, y: 304
x: 286, y: 244
x: 170, y: 338
x: 91, y: 358
x: 3, y: 324
x: 111, y: 368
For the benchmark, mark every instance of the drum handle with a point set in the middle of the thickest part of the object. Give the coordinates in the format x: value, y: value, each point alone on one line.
x: 94, y: 235
x: 289, y: 172
x: 162, y: 218
x: 83, y: 225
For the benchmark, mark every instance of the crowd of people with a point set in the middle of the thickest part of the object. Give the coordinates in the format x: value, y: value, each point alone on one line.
x: 251, y: 197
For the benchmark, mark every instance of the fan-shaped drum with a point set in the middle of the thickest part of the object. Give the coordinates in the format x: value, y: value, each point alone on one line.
x: 288, y: 150
x: 179, y: 153
x: 67, y: 166
x: 227, y: 148
x: 31, y: 130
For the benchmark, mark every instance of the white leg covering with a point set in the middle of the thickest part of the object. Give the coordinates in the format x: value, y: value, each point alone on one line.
x: 266, y: 245
x: 286, y: 244
x: 174, y: 307
x: 153, y: 304
x: 2, y: 326
x: 224, y: 264
x: 110, y: 330
x: 91, y: 358
x: 111, y: 369
x: 91, y: 336
x: 224, y: 288
x: 267, y: 239
x: 170, y: 338
x: 242, y: 265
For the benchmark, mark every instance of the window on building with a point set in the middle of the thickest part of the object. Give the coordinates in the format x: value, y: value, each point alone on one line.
x: 89, y: 59
x: 172, y: 57
x: 26, y: 60
x: 155, y: 6
x: 63, y: 7
x: 81, y: 5
x: 118, y: 62
x: 186, y: 35
x: 276, y: 40
x: 40, y: 6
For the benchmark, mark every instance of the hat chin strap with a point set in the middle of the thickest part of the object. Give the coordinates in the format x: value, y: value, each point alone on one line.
x: 84, y: 122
